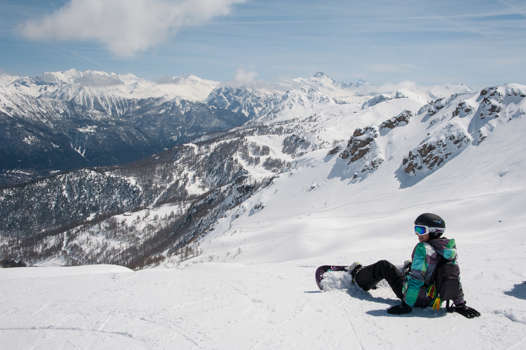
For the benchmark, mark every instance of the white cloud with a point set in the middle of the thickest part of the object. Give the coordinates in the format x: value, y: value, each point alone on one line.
x: 244, y: 77
x: 124, y: 26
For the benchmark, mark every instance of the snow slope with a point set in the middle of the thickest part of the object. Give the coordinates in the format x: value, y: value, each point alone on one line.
x: 256, y: 306
x: 253, y: 285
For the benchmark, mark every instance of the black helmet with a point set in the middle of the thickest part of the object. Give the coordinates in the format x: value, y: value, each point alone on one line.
x: 434, y: 223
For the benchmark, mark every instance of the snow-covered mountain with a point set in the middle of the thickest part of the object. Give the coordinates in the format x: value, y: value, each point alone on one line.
x: 70, y: 84
x: 67, y: 120
x: 239, y: 221
x: 161, y: 209
x: 397, y: 159
x: 60, y: 121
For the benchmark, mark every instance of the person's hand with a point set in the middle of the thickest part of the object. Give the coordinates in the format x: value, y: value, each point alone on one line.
x: 401, y: 309
x: 407, y: 266
x: 466, y: 311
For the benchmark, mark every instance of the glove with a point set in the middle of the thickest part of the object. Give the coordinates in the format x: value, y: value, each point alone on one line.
x: 466, y: 311
x: 401, y: 309
x: 407, y: 267
x: 407, y: 264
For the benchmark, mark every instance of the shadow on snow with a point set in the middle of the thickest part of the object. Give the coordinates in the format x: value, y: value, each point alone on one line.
x: 358, y: 293
x: 518, y: 291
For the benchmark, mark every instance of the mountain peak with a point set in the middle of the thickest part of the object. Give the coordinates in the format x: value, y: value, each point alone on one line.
x: 323, y: 78
x: 321, y: 75
x: 185, y: 79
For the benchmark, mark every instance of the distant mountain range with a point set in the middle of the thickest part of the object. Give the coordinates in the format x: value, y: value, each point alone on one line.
x: 70, y: 120
x: 196, y: 150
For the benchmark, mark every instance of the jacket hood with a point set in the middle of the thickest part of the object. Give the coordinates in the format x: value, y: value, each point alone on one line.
x: 445, y: 247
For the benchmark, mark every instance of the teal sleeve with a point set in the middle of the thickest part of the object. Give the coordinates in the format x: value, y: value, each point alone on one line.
x: 415, y: 279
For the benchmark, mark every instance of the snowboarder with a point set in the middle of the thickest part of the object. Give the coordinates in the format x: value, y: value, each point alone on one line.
x: 416, y: 286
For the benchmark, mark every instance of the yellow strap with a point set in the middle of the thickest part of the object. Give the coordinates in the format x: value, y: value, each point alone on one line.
x: 436, y: 304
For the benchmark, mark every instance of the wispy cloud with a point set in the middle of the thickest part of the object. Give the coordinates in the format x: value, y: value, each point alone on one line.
x: 244, y: 77
x: 125, y: 27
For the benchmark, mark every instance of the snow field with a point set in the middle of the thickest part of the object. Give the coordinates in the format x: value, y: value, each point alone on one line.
x: 254, y: 306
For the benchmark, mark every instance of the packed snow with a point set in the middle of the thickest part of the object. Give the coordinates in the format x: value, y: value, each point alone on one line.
x: 253, y: 287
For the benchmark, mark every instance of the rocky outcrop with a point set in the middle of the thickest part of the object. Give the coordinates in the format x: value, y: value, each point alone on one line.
x: 359, y: 144
x: 463, y: 110
x: 432, y: 153
x: 295, y: 145
x: 490, y: 106
x: 362, y: 155
x: 382, y: 98
x: 401, y: 119
x: 432, y: 108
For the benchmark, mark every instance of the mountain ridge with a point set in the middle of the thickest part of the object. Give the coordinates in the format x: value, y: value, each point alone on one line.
x: 169, y: 202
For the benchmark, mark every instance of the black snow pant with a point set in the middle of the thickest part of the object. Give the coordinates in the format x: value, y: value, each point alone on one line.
x: 368, y: 276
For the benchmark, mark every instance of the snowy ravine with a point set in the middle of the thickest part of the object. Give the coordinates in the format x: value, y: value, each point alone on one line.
x: 253, y: 285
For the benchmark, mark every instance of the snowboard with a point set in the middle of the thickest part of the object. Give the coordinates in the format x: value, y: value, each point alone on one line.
x: 320, y: 272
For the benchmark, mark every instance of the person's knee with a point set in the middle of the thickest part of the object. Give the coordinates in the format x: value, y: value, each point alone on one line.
x: 361, y: 280
x: 384, y: 264
x: 385, y: 268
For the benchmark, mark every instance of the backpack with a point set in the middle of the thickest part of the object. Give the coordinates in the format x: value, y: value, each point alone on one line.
x: 446, y: 284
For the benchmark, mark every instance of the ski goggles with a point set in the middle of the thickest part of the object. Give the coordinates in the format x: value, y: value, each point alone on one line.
x: 422, y: 229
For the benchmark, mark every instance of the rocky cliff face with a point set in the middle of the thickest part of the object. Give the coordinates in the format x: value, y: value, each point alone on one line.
x: 445, y: 127
x: 362, y: 154
x: 495, y: 103
x: 456, y: 123
x: 433, y: 152
x: 397, y: 121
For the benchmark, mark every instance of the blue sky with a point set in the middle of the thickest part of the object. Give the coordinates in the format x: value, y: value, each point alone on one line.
x: 475, y: 42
